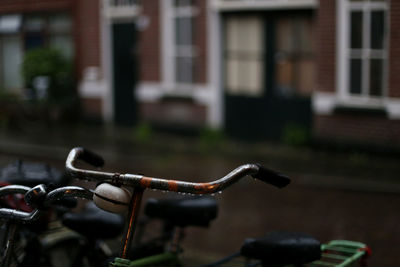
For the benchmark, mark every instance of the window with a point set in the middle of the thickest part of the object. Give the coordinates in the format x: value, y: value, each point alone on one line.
x: 53, y: 30
x: 294, y: 56
x: 20, y: 33
x: 60, y: 34
x: 184, y: 48
x: 244, y: 55
x: 10, y: 62
x: 363, y: 57
x: 10, y: 53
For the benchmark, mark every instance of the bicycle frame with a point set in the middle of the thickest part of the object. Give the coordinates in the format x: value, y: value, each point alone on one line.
x: 164, y: 259
x: 139, y: 183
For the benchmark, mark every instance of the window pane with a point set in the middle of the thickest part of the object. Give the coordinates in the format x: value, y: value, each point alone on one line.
x: 250, y: 34
x: 232, y: 77
x: 184, y: 69
x: 11, y: 55
x: 284, y: 34
x: 63, y: 43
x: 305, y: 79
x: 250, y: 77
x: 377, y: 29
x: 60, y: 23
x: 356, y: 29
x: 294, y: 58
x: 10, y: 23
x: 183, y: 3
x: 34, y: 23
x: 34, y: 40
x: 244, y: 76
x: 302, y: 34
x: 183, y: 34
x: 244, y: 55
x: 355, y: 76
x: 243, y: 33
x: 376, y: 77
x: 285, y: 71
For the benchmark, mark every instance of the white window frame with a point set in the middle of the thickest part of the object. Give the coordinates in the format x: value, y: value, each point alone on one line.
x: 237, y: 5
x: 170, y: 50
x: 189, y: 50
x: 344, y: 53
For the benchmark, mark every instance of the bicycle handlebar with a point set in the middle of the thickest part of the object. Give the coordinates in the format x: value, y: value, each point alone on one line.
x: 16, y: 215
x: 257, y: 171
x: 49, y: 198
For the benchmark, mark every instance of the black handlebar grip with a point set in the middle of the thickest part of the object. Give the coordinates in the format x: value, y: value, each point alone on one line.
x: 91, y: 158
x: 36, y: 196
x: 271, y: 177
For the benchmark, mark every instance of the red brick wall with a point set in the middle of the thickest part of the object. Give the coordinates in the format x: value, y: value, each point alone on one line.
x: 92, y: 107
x: 174, y: 112
x: 87, y: 35
x: 394, y: 53
x: 357, y: 128
x: 149, y: 43
x: 200, y: 40
x: 352, y: 127
x: 85, y: 15
x: 26, y: 6
x: 326, y: 46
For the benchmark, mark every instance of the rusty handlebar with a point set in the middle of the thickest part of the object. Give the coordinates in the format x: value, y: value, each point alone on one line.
x: 133, y: 180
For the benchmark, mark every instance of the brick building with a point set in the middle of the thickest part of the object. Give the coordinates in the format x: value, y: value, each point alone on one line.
x: 245, y: 66
x: 357, y: 89
x: 68, y: 25
x: 253, y: 68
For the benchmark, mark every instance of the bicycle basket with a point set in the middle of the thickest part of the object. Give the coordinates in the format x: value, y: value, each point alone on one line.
x: 341, y: 253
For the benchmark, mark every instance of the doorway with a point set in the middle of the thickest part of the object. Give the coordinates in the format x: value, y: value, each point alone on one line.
x: 268, y: 73
x: 124, y: 73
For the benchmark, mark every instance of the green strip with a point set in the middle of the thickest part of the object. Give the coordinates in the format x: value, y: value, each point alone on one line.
x: 322, y: 263
x: 165, y: 259
x: 334, y: 256
x: 351, y: 259
x: 341, y: 246
x: 345, y: 250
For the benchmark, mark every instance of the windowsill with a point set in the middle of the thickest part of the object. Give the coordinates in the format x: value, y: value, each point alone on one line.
x: 189, y: 92
x: 330, y: 103
x: 361, y: 101
x: 360, y: 111
x: 371, y: 106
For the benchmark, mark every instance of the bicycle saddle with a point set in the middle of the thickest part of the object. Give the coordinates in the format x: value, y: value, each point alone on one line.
x: 93, y: 222
x: 182, y: 212
x: 32, y: 173
x: 281, y: 248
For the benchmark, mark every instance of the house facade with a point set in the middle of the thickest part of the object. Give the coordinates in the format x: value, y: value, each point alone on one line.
x: 357, y: 88
x: 254, y: 68
x: 67, y: 25
x: 247, y: 67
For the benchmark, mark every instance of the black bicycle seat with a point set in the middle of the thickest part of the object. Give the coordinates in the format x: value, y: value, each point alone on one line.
x: 282, y: 248
x: 32, y: 173
x: 93, y: 222
x: 184, y: 211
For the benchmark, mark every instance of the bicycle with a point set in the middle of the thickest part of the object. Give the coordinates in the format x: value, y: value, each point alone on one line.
x: 122, y: 200
x: 46, y: 240
x: 33, y: 239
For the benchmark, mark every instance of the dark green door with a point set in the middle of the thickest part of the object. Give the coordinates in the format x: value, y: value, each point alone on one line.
x: 124, y: 40
x: 258, y: 100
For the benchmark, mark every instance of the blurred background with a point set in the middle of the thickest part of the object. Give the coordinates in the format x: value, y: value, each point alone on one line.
x: 193, y: 88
